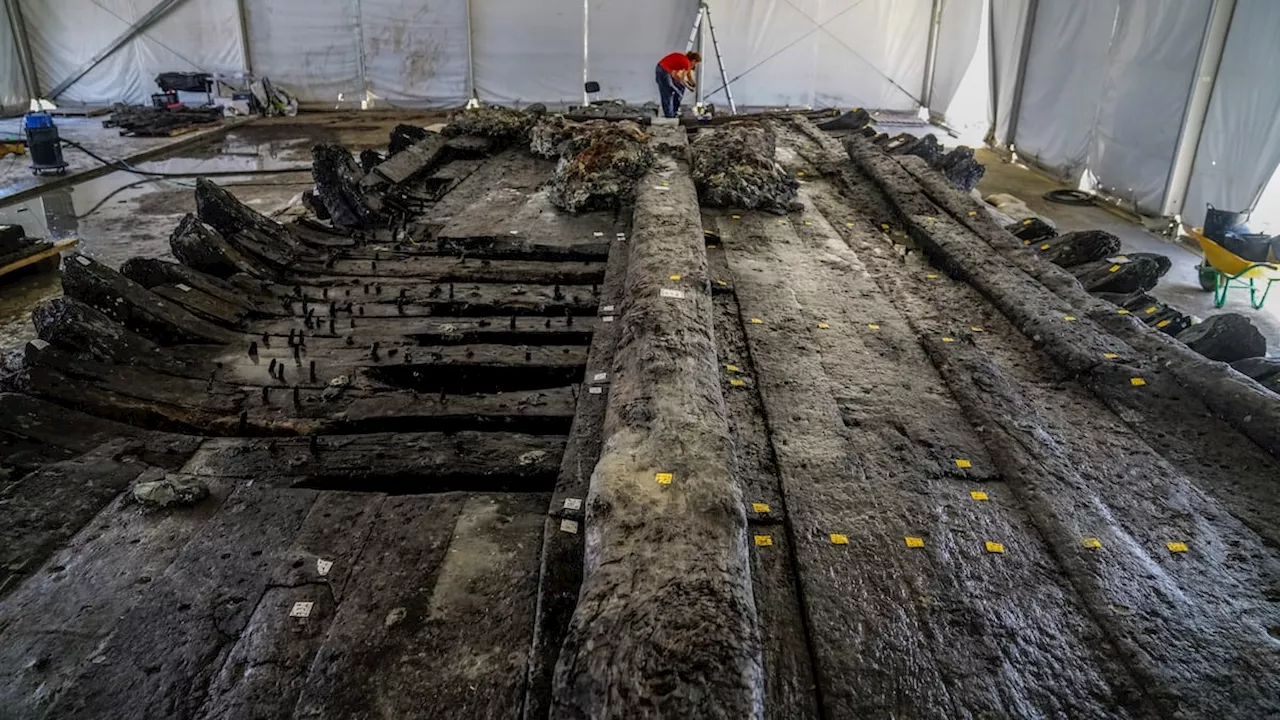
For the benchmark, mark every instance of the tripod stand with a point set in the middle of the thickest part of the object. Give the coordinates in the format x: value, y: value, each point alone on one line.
x: 695, y: 40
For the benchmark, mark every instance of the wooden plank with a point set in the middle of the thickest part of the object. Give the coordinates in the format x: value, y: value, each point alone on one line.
x: 58, y: 247
x: 390, y: 462
x: 471, y: 604
x: 169, y: 647
x: 454, y: 330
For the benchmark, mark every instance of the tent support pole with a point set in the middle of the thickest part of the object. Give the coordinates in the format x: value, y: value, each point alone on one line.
x: 1184, y: 158
x: 144, y: 22
x: 245, y: 51
x: 1023, y: 53
x: 23, y: 43
x: 586, y: 51
x: 473, y: 99
x: 931, y: 55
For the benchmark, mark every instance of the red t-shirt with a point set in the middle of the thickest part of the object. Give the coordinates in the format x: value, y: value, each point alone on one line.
x: 674, y: 62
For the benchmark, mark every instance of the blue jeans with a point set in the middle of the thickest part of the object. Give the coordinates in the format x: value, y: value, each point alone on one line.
x: 671, y: 93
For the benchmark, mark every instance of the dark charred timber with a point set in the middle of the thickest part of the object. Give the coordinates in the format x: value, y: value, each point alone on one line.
x: 665, y: 619
x: 151, y: 273
x: 414, y: 161
x: 1241, y: 402
x: 224, y: 213
x: 338, y: 188
x: 1227, y: 337
x: 135, y: 307
x: 1032, y: 230
x: 369, y: 159
x: 398, y: 463
x: 1078, y: 248
x: 202, y: 248
x: 735, y: 167
x: 1137, y: 274
x: 403, y: 136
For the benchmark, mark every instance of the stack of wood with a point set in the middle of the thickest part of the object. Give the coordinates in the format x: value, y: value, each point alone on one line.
x: 148, y: 121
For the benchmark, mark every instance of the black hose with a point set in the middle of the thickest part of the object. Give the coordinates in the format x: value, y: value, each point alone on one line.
x: 1069, y: 197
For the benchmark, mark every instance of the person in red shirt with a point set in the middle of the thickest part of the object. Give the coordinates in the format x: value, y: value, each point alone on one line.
x: 674, y: 74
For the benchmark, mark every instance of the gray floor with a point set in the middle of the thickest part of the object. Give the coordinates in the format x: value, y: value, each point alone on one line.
x: 1180, y: 288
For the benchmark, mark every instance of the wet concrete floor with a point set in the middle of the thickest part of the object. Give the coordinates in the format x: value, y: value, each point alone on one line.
x: 123, y: 215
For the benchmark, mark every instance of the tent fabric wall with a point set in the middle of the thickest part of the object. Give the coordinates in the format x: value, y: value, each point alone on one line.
x: 628, y: 39
x: 958, y: 32
x: 1008, y: 25
x: 1240, y: 146
x: 67, y: 33
x: 824, y: 53
x: 311, y: 49
x: 1144, y: 97
x: 13, y: 88
x: 528, y: 52
x: 415, y: 52
x: 1070, y: 45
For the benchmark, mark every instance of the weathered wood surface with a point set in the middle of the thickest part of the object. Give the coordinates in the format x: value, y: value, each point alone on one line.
x: 665, y: 619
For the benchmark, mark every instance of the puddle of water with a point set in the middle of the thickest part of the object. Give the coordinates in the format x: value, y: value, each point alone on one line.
x: 106, y: 214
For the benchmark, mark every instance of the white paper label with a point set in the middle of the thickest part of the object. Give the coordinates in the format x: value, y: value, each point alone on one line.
x: 596, y: 391
x: 515, y: 232
x: 82, y: 260
x: 600, y: 377
x: 323, y: 566
x: 597, y: 234
x: 573, y: 503
x: 183, y: 288
x: 659, y: 187
x: 301, y: 609
x: 667, y: 293
x: 569, y: 526
x: 607, y: 308
x: 607, y: 318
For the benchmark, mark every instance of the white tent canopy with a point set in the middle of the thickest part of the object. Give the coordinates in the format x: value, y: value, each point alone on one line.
x: 1127, y: 96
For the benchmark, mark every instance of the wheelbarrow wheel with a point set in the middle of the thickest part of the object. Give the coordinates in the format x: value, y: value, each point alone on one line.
x: 1208, y: 277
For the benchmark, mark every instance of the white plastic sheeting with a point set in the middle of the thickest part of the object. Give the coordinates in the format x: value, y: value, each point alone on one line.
x: 958, y: 33
x: 310, y: 49
x: 197, y: 35
x: 415, y: 52
x: 629, y: 38
x: 528, y: 52
x: 1240, y: 146
x: 13, y: 89
x: 1008, y: 25
x: 1144, y: 97
x: 1065, y: 69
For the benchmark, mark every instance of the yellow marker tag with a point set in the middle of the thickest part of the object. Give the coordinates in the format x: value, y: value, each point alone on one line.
x: 947, y: 339
x: 837, y: 539
x: 976, y: 328
x: 931, y: 276
x: 872, y: 326
x: 1151, y: 310
x: 736, y: 217
x: 884, y: 226
x: 733, y: 368
x: 1091, y: 543
x: 1045, y: 246
x: 674, y: 277
x: 1137, y: 382
x: 972, y: 213
x: 736, y: 382
x: 757, y: 321
x: 1026, y: 242
x: 1164, y: 323
x: 799, y: 173
x: 963, y: 464
x: 663, y: 478
x: 712, y: 247
x: 915, y: 542
x: 1026, y: 222
x: 782, y: 222
x: 722, y: 283
x: 760, y: 507
x: 1176, y: 547
x: 994, y: 547
x: 848, y: 224
x: 1122, y: 311
x: 1110, y: 356
x: 806, y: 222
x: 1114, y: 268
x: 823, y: 326
x: 1069, y: 318
x: 978, y: 495
x: 764, y: 540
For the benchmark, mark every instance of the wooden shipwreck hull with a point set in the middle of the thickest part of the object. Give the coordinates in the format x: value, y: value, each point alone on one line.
x: 442, y: 450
